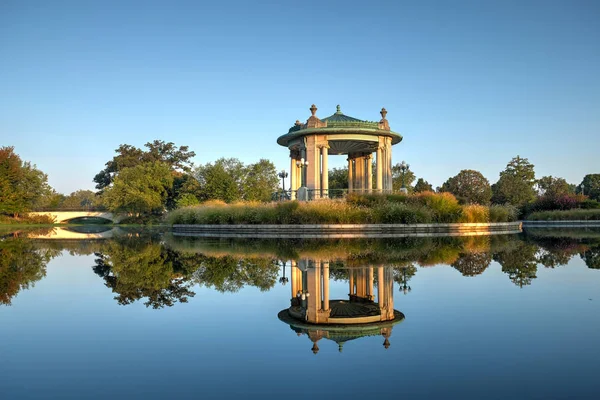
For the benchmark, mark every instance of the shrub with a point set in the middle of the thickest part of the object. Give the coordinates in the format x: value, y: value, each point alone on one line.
x: 398, y: 213
x: 444, y: 206
x: 503, y: 213
x: 475, y: 213
x: 565, y: 215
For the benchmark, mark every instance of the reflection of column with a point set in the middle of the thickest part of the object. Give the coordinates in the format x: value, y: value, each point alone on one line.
x: 296, y: 277
x: 325, y: 172
x: 351, y: 281
x: 314, y: 290
x: 380, y: 288
x: 370, y: 279
x: 379, y: 167
x: 350, y: 175
x: 326, y: 285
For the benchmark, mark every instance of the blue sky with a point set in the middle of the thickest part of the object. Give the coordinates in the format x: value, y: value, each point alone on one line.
x: 469, y: 84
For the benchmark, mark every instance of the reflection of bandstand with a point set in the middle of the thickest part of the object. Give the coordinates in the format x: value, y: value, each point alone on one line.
x: 311, y: 143
x: 366, y: 312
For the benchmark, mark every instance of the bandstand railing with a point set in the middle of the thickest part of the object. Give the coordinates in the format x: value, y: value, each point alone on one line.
x: 316, y: 194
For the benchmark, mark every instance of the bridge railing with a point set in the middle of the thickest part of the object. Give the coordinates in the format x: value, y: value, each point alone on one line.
x: 68, y: 209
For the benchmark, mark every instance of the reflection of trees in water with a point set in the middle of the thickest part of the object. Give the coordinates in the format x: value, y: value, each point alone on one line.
x: 137, y: 269
x: 402, y: 274
x: 591, y: 257
x: 21, y: 265
x: 472, y: 264
x: 518, y: 260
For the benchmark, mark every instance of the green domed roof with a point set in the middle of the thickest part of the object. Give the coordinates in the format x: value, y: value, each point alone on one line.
x: 340, y: 117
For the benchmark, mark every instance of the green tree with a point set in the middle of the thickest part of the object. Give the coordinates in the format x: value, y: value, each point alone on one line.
x: 553, y: 187
x: 81, y: 199
x: 177, y: 158
x: 519, y: 261
x: 261, y: 181
x: 222, y: 180
x: 142, y: 189
x: 423, y: 186
x: 591, y: 186
x: 469, y: 187
x: 338, y: 178
x: 516, y: 183
x: 472, y: 263
x: 409, y: 178
x: 22, y: 185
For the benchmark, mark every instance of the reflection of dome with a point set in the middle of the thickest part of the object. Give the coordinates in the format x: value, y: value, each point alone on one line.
x: 341, y: 334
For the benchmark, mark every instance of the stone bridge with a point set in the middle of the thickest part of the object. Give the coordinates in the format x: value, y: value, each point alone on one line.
x: 62, y: 217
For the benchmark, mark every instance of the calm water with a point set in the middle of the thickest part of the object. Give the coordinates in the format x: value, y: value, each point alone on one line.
x: 149, y: 315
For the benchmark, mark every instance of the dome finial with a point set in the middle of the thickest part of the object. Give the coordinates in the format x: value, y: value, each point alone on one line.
x: 337, y: 109
x: 383, y: 113
x: 313, y: 110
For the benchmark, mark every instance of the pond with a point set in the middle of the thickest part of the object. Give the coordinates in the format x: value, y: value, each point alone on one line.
x: 146, y: 314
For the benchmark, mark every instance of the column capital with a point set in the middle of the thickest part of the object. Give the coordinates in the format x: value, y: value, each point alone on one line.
x: 323, y: 146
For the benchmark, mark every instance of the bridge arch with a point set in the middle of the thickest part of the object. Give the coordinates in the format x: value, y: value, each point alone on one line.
x: 63, y: 217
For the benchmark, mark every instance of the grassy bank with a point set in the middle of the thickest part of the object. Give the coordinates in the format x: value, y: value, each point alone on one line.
x: 356, y: 209
x: 566, y: 215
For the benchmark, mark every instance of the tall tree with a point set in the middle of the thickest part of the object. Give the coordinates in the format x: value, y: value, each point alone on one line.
x: 221, y: 180
x: 423, y: 186
x: 516, y: 183
x: 553, y: 187
x: 21, y: 183
x: 261, y: 181
x: 591, y: 186
x: 397, y: 176
x: 469, y: 187
x: 177, y: 158
x: 338, y: 178
x: 142, y: 189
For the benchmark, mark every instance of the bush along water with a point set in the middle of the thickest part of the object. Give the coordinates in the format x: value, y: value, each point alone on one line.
x: 421, y: 208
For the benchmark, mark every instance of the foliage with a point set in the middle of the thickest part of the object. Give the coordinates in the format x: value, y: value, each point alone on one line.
x: 591, y: 186
x: 261, y: 181
x: 228, y: 179
x: 21, y: 265
x: 21, y: 184
x: 187, y: 200
x: 469, y: 187
x: 338, y: 178
x: 472, y: 263
x: 422, y: 186
x: 565, y: 215
x: 552, y: 187
x: 516, y: 183
x: 558, y: 202
x: 178, y: 159
x: 426, y: 207
x: 505, y: 213
x: 519, y: 262
x: 409, y: 178
x: 141, y: 189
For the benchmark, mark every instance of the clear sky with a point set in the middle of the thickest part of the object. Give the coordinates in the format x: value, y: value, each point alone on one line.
x: 469, y: 84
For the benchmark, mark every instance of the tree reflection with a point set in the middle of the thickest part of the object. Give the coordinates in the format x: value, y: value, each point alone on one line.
x: 21, y: 265
x: 403, y: 274
x: 472, y: 264
x: 139, y: 269
x: 591, y: 257
x: 518, y: 260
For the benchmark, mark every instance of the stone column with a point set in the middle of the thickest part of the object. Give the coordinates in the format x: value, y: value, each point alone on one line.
x: 325, y: 285
x: 325, y: 171
x: 369, y: 173
x: 293, y: 181
x: 389, y: 151
x: 379, y: 172
x: 350, y: 175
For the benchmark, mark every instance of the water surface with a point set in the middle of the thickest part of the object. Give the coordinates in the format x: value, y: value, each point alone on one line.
x: 150, y: 315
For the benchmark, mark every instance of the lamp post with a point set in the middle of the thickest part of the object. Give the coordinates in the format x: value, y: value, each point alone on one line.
x: 404, y: 167
x: 302, y: 163
x: 283, y: 175
x: 283, y: 280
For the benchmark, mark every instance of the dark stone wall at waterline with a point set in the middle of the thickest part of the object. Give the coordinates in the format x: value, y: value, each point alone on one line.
x: 349, y: 230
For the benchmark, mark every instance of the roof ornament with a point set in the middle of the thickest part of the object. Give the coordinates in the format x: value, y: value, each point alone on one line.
x: 337, y: 109
x: 313, y: 110
x: 383, y: 113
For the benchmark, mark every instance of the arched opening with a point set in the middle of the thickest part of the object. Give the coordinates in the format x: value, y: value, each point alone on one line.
x: 88, y: 221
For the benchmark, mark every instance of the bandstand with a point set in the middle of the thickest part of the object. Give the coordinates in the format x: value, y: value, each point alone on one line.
x: 312, y: 143
x: 366, y: 312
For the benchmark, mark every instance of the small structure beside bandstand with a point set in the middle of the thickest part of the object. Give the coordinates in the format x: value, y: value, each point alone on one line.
x: 312, y: 143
